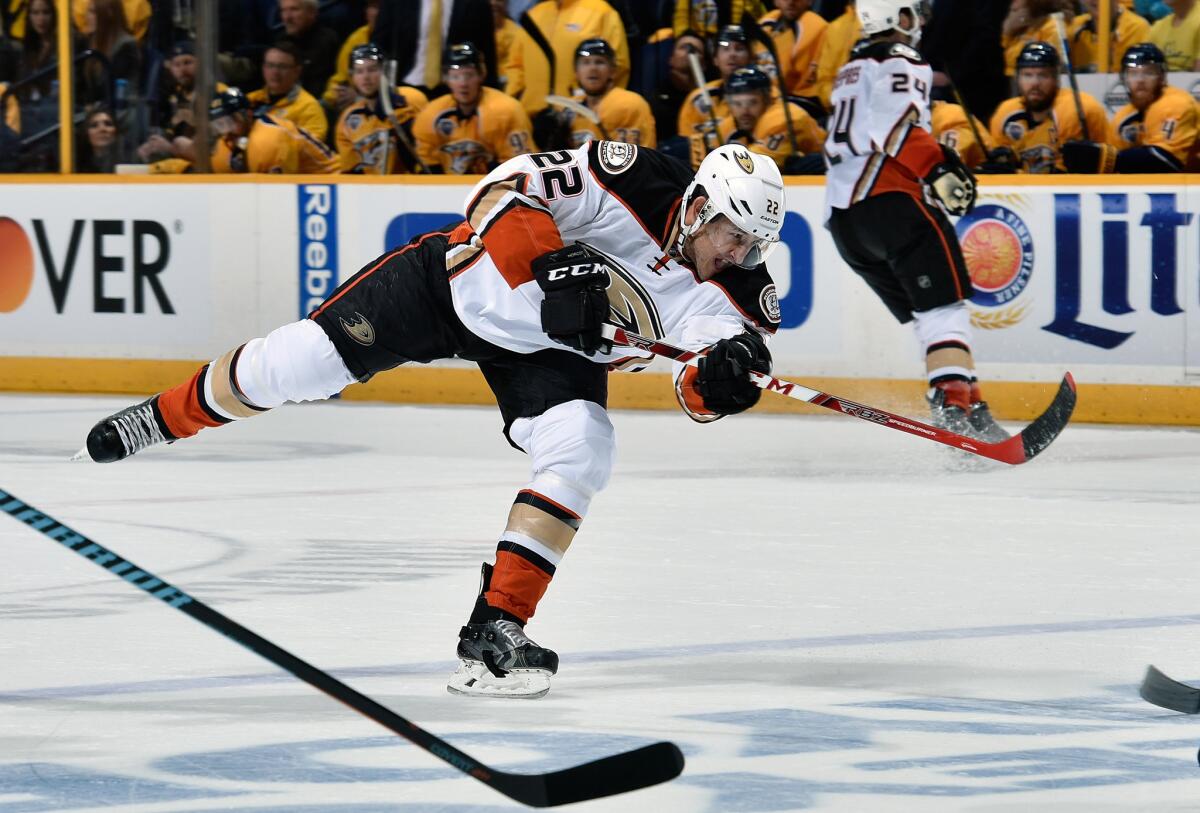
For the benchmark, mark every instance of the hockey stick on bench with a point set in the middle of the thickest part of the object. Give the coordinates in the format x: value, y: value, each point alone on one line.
x: 607, y: 776
x: 1020, y: 448
x: 1163, y: 691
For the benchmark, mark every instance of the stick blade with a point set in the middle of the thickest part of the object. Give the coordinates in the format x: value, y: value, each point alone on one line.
x: 608, y: 776
x: 1050, y: 424
x: 1163, y: 691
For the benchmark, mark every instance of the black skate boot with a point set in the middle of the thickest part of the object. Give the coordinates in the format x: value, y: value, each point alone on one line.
x: 984, y: 426
x: 496, y: 658
x: 127, y: 432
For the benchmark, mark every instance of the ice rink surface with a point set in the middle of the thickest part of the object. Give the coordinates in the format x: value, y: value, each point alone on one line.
x: 824, y: 615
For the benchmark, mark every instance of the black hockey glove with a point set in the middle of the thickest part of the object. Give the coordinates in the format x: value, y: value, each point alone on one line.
x: 723, y: 381
x: 1000, y: 161
x: 1089, y: 157
x: 952, y: 183
x: 575, y: 281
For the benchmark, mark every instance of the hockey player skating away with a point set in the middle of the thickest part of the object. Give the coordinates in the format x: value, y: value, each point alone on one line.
x: 883, y: 165
x: 553, y: 245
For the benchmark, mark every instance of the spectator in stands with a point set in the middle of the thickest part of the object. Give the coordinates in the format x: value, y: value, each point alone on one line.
x: 366, y: 138
x: 99, y: 149
x: 602, y: 111
x: 731, y: 52
x: 174, y: 121
x: 676, y: 83
x: 316, y: 45
x: 109, y: 36
x: 136, y: 14
x: 510, y: 47
x: 39, y: 47
x: 1030, y: 21
x: 1152, y: 10
x: 798, y: 33
x: 474, y: 128
x: 708, y: 17
x: 1040, y: 131
x: 339, y: 91
x: 282, y: 95
x: 952, y: 129
x: 1157, y: 130
x: 1178, y: 35
x: 415, y: 33
x: 563, y: 25
x: 839, y: 39
x: 1127, y: 29
x: 757, y: 120
x: 263, y: 143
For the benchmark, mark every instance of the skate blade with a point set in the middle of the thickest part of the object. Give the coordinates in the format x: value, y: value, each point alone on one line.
x: 82, y: 454
x: 472, y: 679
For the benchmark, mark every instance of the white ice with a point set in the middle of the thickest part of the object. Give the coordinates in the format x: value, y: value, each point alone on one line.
x: 818, y: 611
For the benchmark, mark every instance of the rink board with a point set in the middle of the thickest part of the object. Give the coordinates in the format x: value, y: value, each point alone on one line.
x: 123, y: 286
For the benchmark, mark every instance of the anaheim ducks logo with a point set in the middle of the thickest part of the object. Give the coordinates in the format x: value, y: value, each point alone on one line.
x: 359, y: 329
x: 630, y: 305
x: 744, y: 161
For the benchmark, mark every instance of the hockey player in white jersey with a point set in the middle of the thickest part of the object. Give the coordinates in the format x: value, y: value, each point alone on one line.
x: 553, y: 246
x: 888, y: 189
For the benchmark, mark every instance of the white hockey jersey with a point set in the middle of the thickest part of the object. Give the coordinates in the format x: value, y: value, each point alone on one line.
x: 622, y: 202
x: 879, y: 137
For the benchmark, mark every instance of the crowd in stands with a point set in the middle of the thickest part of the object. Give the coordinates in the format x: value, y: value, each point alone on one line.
x: 457, y: 86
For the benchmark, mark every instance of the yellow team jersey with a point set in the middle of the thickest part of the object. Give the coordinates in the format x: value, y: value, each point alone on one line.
x: 511, y: 42
x: 1172, y: 123
x: 1046, y: 32
x: 626, y: 116
x: 835, y: 50
x: 1037, y: 143
x: 694, y: 117
x: 341, y: 74
x: 298, y: 106
x: 275, y: 146
x: 137, y: 16
x: 701, y: 16
x: 951, y: 128
x: 565, y: 25
x: 1181, y: 43
x: 12, y: 111
x: 770, y: 135
x: 797, y: 54
x: 499, y: 129
x: 1085, y: 45
x: 365, y: 140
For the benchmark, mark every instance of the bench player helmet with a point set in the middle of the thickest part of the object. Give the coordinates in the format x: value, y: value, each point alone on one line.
x: 745, y: 187
x: 595, y: 46
x: 747, y: 80
x: 462, y: 55
x: 1144, y: 54
x: 367, y: 52
x: 883, y: 16
x: 1038, y: 55
x: 227, y: 102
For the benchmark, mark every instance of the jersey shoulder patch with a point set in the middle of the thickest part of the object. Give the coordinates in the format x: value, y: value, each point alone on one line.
x: 616, y: 156
x: 647, y: 182
x: 899, y: 49
x: 752, y: 291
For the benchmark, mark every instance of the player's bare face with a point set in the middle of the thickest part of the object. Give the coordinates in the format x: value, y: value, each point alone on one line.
x: 730, y: 57
x: 1038, y: 88
x: 230, y: 126
x: 183, y: 70
x: 594, y: 74
x: 366, y: 77
x: 1145, y: 85
x: 717, y: 246
x: 747, y: 109
x: 466, y: 84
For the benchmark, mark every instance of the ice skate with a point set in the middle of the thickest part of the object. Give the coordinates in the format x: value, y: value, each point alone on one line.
x: 497, y: 658
x: 950, y: 417
x: 127, y: 432
x: 984, y: 426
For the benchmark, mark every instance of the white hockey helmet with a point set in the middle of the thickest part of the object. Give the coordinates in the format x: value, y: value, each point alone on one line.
x: 882, y: 16
x: 745, y: 187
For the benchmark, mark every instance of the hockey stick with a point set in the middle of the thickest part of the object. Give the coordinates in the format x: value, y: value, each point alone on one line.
x: 579, y: 109
x: 702, y: 86
x: 389, y: 110
x: 1020, y: 448
x: 607, y: 776
x: 1066, y: 48
x: 1161, y: 690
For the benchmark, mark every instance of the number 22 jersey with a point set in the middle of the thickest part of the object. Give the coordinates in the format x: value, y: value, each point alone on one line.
x: 879, y: 134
